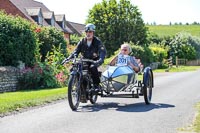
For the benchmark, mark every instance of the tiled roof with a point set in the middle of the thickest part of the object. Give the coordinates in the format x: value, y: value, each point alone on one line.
x: 25, y: 7
x: 76, y: 27
x: 29, y: 3
x: 60, y: 18
x: 22, y: 5
x: 68, y: 30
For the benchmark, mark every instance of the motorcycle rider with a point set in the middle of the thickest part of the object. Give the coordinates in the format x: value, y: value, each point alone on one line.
x: 91, y: 47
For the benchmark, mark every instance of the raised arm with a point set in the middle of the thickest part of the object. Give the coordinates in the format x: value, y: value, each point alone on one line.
x: 133, y: 63
x: 113, y: 61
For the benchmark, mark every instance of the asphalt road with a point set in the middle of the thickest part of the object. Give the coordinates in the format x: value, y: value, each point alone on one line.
x: 174, y: 97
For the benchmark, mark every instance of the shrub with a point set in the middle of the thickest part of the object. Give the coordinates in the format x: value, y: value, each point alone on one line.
x: 143, y: 53
x: 195, y: 42
x: 47, y: 74
x: 188, y: 52
x: 159, y: 52
x: 182, y: 47
x: 59, y: 72
x: 17, y: 41
x: 49, y: 37
x: 30, y: 78
x: 70, y: 49
x: 74, y: 39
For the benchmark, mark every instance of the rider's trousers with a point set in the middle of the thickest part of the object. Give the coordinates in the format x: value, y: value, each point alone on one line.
x: 94, y: 74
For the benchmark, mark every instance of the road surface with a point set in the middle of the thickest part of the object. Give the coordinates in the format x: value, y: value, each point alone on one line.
x: 173, y: 101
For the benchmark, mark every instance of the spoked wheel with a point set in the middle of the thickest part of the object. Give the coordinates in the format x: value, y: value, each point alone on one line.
x: 147, y: 89
x: 73, y: 92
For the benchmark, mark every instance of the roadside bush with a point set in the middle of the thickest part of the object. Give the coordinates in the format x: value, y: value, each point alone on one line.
x: 30, y: 78
x: 159, y: 52
x: 48, y: 74
x: 59, y: 72
x: 155, y: 38
x: 74, y: 39
x: 143, y: 53
x: 70, y: 49
x: 163, y: 65
x: 17, y: 41
x: 187, y: 52
x: 195, y: 42
x: 49, y: 37
x: 181, y: 46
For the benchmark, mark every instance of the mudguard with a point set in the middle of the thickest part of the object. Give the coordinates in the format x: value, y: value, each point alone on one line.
x: 146, y: 75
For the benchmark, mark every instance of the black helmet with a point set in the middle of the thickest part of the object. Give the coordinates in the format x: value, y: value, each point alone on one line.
x: 90, y: 27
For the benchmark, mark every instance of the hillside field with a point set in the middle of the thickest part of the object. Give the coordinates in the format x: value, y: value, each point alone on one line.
x: 170, y: 30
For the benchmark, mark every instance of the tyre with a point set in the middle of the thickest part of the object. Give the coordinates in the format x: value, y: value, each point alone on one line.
x: 93, y: 98
x: 73, y: 92
x: 147, y: 89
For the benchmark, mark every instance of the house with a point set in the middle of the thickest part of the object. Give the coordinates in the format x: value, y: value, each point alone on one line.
x: 37, y: 12
x: 60, y: 19
x: 76, y: 27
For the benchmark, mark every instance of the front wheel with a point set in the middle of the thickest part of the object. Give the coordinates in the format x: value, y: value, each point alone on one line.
x: 73, y: 92
x: 147, y: 89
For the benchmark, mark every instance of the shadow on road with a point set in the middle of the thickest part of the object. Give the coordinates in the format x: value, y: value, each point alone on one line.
x: 137, y: 107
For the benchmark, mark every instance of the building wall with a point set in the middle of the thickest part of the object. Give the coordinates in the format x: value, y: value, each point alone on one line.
x: 67, y: 36
x: 9, y: 8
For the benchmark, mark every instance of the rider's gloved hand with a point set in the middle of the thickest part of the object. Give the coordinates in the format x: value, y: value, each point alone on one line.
x: 98, y: 62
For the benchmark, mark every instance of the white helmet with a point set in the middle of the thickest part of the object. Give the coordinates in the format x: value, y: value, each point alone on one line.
x: 90, y: 27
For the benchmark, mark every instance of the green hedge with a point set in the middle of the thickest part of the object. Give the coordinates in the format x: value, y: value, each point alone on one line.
x: 17, y: 41
x: 49, y: 37
x: 159, y: 52
x: 143, y: 53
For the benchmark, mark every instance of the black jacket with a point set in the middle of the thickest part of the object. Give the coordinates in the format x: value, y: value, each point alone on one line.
x: 95, y: 52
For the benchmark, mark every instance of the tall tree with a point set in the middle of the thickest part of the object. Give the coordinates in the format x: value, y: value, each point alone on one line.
x: 117, y: 23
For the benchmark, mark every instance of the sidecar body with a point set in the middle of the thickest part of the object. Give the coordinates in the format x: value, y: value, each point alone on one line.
x: 116, y: 79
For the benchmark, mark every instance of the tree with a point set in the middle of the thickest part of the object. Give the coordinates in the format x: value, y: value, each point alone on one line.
x: 182, y: 47
x: 117, y: 23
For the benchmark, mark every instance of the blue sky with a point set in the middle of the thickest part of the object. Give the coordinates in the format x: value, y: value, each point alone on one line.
x: 159, y: 11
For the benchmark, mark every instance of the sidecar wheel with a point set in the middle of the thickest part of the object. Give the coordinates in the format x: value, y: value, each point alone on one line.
x: 147, y: 89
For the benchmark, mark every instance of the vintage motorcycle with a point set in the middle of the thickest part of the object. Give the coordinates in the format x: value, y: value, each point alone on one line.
x: 116, y: 81
x: 80, y: 84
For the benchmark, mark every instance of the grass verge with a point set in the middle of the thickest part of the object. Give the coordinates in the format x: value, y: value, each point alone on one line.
x: 196, y: 124
x: 179, y: 69
x: 16, y: 101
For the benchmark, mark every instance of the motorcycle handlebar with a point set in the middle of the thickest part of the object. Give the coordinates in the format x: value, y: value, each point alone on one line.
x: 77, y: 60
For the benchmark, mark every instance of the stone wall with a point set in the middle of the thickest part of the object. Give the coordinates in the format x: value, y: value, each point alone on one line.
x: 8, y: 78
